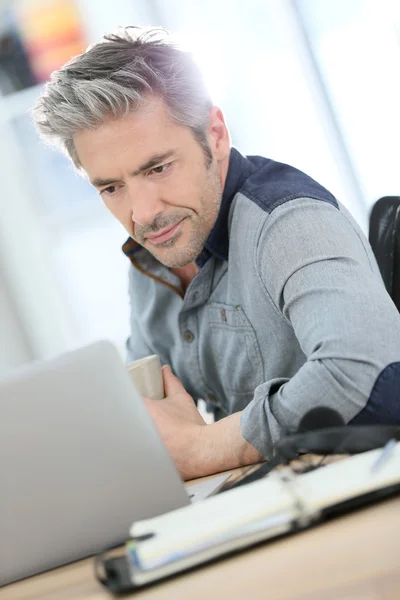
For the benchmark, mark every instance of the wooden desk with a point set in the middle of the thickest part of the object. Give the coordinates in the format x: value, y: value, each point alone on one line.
x: 355, y: 557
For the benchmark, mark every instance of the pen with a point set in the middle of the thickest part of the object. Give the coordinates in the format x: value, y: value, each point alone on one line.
x: 384, y: 455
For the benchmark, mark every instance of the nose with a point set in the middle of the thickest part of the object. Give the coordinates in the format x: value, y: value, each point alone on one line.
x: 145, y: 205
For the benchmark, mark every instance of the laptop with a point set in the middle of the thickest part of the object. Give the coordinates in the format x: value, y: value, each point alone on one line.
x: 80, y: 460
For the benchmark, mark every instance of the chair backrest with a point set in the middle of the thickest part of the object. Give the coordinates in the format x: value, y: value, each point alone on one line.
x: 384, y: 237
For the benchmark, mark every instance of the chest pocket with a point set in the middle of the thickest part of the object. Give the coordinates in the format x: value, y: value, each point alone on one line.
x: 233, y: 352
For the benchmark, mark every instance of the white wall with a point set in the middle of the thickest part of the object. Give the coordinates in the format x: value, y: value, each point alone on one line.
x: 25, y: 277
x: 109, y: 15
x: 14, y: 347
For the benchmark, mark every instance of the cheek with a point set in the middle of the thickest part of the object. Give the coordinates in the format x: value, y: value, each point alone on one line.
x: 185, y: 190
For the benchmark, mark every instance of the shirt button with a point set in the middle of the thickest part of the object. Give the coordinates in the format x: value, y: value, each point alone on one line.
x: 212, y: 398
x: 195, y: 296
x: 188, y: 336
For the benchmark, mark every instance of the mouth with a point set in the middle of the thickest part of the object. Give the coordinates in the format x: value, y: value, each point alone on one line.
x: 159, y: 237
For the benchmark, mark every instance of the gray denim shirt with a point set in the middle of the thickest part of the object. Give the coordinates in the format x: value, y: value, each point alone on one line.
x: 288, y: 310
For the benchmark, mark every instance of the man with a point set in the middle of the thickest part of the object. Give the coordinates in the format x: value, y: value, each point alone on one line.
x: 248, y: 278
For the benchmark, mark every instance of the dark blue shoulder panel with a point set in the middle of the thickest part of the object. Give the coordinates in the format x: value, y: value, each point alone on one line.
x: 272, y: 183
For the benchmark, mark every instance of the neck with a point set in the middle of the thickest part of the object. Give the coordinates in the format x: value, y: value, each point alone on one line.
x: 186, y: 274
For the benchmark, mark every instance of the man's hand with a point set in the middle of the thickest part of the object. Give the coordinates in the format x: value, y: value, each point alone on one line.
x: 178, y: 421
x: 197, y: 448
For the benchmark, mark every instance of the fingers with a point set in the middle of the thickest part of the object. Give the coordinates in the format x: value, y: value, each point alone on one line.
x: 172, y: 385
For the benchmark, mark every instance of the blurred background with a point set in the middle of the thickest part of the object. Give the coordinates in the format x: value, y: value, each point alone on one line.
x: 314, y: 83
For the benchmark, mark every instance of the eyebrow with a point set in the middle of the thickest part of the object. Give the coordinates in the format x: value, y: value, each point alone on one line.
x: 155, y: 160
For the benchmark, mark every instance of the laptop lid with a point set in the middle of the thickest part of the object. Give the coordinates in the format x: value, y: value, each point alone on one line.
x: 80, y: 460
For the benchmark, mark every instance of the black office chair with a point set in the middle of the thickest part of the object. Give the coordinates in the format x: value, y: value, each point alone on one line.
x: 384, y: 237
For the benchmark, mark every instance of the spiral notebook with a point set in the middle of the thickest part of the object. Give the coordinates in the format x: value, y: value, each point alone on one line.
x: 281, y: 503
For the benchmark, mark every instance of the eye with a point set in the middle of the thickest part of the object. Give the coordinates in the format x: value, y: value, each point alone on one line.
x: 110, y: 190
x: 160, y: 170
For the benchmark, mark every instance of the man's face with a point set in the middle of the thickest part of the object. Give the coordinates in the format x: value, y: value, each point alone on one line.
x: 153, y: 176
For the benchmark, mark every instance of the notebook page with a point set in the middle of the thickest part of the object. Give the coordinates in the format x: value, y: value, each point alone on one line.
x: 349, y: 478
x: 272, y: 502
x: 214, y: 517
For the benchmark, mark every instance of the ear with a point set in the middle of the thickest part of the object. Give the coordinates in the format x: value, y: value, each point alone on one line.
x: 218, y: 134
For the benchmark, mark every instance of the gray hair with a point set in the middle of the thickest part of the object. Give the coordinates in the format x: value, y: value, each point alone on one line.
x: 114, y: 77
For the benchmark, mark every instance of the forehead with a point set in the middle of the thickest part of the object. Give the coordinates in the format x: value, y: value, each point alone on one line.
x: 133, y: 137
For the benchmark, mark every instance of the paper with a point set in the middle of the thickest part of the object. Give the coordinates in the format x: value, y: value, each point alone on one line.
x: 204, y: 489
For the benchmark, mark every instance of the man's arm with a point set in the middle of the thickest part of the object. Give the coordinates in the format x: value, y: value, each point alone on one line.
x: 321, y: 275
x: 197, y: 449
x: 223, y: 447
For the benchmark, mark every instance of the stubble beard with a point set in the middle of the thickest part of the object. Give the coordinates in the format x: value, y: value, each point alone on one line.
x: 201, y: 224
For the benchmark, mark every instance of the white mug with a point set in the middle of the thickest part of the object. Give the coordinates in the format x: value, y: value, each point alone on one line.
x: 147, y: 376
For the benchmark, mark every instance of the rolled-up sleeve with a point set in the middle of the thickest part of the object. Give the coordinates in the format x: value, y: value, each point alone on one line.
x: 319, y: 272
